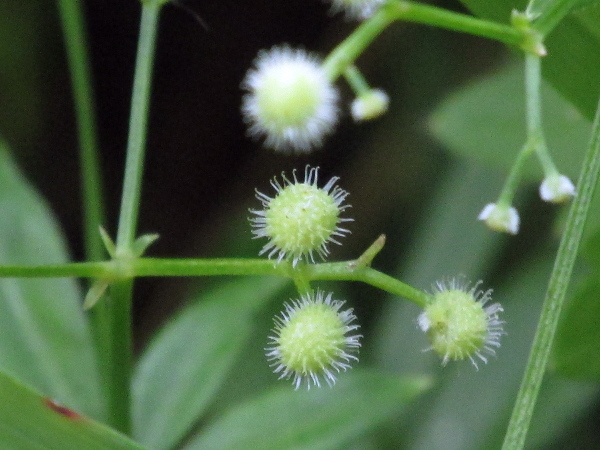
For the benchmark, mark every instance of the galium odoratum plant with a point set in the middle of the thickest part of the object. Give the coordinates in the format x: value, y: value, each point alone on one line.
x: 291, y: 102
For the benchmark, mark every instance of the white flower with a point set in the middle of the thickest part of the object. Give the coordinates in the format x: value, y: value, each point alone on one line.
x: 370, y: 105
x: 500, y: 218
x: 310, y: 341
x: 290, y: 100
x: 356, y: 9
x: 301, y: 218
x: 556, y: 189
x: 458, y: 323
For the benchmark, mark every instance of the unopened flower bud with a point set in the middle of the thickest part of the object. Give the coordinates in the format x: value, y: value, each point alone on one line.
x: 500, y: 218
x: 370, y: 105
x: 557, y: 189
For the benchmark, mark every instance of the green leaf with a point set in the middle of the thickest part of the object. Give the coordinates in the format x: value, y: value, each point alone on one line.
x: 548, y: 13
x: 486, y: 121
x: 45, y: 340
x: 183, y: 367
x: 30, y: 421
x: 575, y: 352
x: 318, y: 419
x: 573, y: 62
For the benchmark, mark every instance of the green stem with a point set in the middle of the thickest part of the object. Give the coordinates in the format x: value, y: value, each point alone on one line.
x: 136, y: 144
x: 121, y: 355
x: 349, y: 271
x: 93, y: 207
x: 120, y: 299
x: 118, y: 270
x: 535, y: 141
x: 351, y: 48
x: 356, y: 81
x: 346, y: 53
x: 535, y: 133
x: 81, y: 80
x: 555, y: 295
x: 442, y: 18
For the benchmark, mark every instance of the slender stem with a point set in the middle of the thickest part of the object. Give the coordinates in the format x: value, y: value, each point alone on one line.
x: 120, y: 355
x: 134, y: 165
x: 91, y: 182
x: 535, y: 134
x: 350, y: 271
x: 555, y: 295
x: 78, y: 57
x: 442, y: 18
x: 346, y: 52
x: 117, y: 270
x: 82, y: 270
x: 351, y: 48
x: 356, y: 80
x: 535, y: 141
x: 120, y: 299
x: 514, y: 176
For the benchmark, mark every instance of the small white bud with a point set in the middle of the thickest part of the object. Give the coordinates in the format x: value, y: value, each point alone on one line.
x: 500, y: 218
x: 557, y: 189
x: 370, y: 105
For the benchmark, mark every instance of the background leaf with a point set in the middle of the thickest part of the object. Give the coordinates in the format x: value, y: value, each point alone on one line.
x: 317, y: 419
x: 573, y: 62
x: 575, y: 352
x: 186, y: 363
x: 29, y: 421
x: 45, y: 340
x: 485, y: 120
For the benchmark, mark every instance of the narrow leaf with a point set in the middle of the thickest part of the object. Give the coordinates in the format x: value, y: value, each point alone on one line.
x: 30, y: 421
x: 45, y: 340
x: 576, y: 347
x: 186, y: 363
x: 318, y: 419
x: 486, y: 121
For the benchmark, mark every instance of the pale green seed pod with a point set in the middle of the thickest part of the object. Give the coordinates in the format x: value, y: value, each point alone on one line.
x: 312, y: 340
x: 458, y: 323
x: 301, y: 219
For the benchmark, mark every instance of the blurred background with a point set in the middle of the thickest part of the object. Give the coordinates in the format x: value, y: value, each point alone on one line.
x: 407, y: 174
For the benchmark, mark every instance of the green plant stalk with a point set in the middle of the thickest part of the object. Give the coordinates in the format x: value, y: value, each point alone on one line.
x: 138, y: 124
x: 120, y: 298
x: 119, y: 271
x: 555, y: 295
x: 535, y: 131
x: 535, y: 141
x: 93, y: 207
x: 78, y: 59
x: 351, y: 48
x: 356, y: 81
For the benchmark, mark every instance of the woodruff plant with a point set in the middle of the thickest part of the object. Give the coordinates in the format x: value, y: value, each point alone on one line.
x: 291, y: 102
